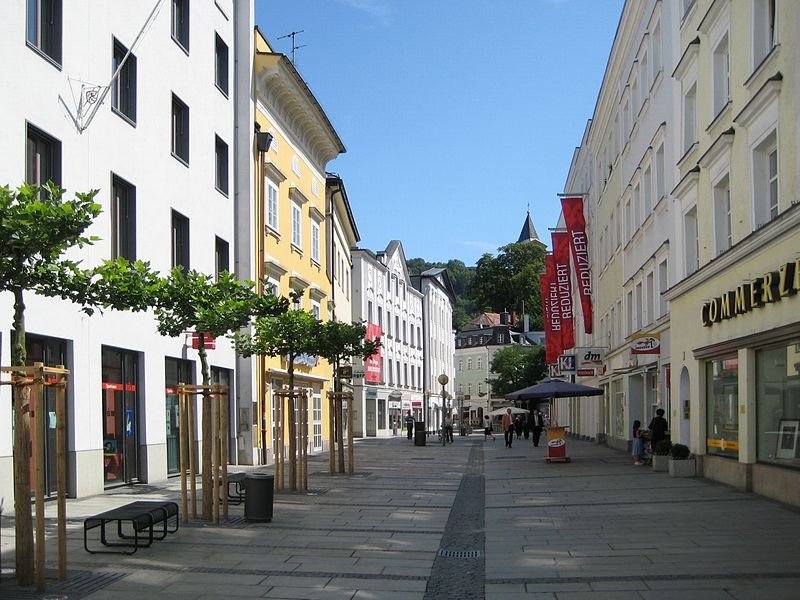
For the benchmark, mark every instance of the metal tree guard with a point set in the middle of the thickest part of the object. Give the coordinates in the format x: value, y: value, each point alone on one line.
x: 37, y: 377
x: 298, y: 465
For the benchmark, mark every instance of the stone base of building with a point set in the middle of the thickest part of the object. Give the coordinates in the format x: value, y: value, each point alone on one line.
x: 765, y: 480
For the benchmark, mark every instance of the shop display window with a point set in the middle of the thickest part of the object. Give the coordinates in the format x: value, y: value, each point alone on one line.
x: 722, y: 402
x: 778, y: 404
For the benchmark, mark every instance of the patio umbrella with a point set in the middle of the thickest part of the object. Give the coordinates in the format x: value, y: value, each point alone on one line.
x: 514, y: 411
x: 554, y: 388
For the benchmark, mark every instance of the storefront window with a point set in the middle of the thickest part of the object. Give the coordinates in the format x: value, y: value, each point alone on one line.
x: 722, y: 393
x: 176, y: 371
x: 778, y: 404
x: 381, y: 413
x: 618, y: 399
x: 120, y: 422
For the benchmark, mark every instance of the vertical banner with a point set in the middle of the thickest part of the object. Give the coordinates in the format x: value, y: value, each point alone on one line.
x: 576, y: 228
x: 553, y: 311
x: 374, y: 364
x: 563, y: 280
x: 549, y: 343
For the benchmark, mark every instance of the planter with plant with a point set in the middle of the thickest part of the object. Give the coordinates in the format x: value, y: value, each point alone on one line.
x: 661, y: 455
x: 681, y: 462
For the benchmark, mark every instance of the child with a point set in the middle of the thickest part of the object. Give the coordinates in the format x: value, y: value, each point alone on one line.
x: 637, y: 446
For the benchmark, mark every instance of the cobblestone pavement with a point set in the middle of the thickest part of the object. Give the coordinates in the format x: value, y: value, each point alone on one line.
x: 469, y: 520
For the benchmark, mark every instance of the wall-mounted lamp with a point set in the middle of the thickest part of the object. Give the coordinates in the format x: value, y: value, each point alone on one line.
x: 263, y: 140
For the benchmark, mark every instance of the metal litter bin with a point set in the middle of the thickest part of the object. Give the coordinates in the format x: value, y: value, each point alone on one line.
x: 258, y: 493
x: 419, y: 433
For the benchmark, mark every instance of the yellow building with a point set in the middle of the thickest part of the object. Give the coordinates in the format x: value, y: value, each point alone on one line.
x: 735, y: 311
x: 294, y: 142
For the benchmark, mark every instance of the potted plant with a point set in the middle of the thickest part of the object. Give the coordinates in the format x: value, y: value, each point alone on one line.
x: 681, y: 463
x: 661, y: 455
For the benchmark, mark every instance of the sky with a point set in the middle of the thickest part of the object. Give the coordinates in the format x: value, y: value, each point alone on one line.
x: 458, y: 115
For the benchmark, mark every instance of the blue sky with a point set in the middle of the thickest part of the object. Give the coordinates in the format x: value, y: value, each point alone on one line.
x: 456, y: 114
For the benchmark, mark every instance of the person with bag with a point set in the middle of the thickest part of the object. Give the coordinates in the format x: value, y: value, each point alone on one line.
x: 538, y: 425
x: 508, y: 427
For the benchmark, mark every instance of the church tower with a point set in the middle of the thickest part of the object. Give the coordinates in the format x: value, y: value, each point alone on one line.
x: 528, y: 233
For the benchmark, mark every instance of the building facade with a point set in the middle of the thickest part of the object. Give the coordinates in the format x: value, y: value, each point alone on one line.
x: 150, y: 124
x: 388, y: 386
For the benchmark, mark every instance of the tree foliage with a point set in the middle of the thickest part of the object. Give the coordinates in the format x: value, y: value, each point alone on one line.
x: 516, y: 367
x: 510, y: 281
x: 460, y: 277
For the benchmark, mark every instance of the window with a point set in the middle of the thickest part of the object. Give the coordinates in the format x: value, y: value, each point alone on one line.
x: 411, y: 331
x: 369, y: 311
x: 397, y: 365
x: 722, y: 402
x: 180, y: 23
x: 501, y: 338
x: 221, y: 64
x: 405, y: 374
x: 44, y: 28
x: 765, y: 179
x: 180, y: 130
x: 460, y: 364
x: 660, y: 167
x: 397, y: 326
x: 389, y: 323
x: 391, y: 373
x: 690, y: 241
x: 639, y: 307
x: 649, y: 298
x: 637, y: 207
x: 221, y: 161
x: 43, y: 161
x: 777, y: 406
x: 656, y: 45
x: 763, y: 29
x: 663, y: 284
x: 316, y: 310
x: 647, y: 184
x: 380, y: 318
x: 405, y: 339
x: 469, y: 364
x: 629, y: 312
x: 221, y: 256
x: 690, y: 118
x: 722, y: 216
x: 123, y: 219
x: 123, y: 86
x: 272, y: 206
x: 480, y: 362
x: 315, y: 242
x: 721, y: 74
x: 628, y: 220
x: 296, y: 226
x: 180, y: 241
x: 419, y: 338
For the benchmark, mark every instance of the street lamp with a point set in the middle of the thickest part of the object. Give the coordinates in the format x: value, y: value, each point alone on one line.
x: 443, y: 379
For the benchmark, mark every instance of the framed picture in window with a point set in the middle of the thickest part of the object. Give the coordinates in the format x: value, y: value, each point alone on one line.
x: 787, y: 438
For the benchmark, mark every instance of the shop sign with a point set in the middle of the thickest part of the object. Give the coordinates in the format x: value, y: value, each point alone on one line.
x: 590, y: 358
x: 394, y: 403
x: 566, y: 362
x: 649, y: 343
x: 759, y: 292
x: 585, y: 372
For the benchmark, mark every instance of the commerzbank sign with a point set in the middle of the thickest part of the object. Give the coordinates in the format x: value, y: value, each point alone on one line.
x: 759, y: 292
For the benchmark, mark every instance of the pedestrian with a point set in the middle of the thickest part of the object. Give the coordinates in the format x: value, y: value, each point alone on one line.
x: 447, y: 430
x: 410, y: 424
x: 518, y: 427
x: 538, y: 425
x: 508, y: 427
x: 637, y: 448
x: 658, y: 428
x: 487, y: 428
x: 526, y: 428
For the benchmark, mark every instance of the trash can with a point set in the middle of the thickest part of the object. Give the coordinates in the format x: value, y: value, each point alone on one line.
x: 258, y: 492
x: 419, y: 433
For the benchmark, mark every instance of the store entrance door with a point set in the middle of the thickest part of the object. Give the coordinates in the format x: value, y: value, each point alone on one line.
x: 120, y: 416
x: 176, y: 371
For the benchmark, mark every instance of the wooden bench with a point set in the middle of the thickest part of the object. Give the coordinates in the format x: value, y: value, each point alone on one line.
x: 140, y: 517
x: 236, y: 489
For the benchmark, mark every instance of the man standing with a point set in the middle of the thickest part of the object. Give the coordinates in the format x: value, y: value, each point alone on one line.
x: 658, y: 428
x: 538, y: 425
x: 410, y: 424
x: 508, y: 427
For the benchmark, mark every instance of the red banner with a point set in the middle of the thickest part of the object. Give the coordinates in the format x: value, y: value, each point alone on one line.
x: 373, y: 365
x: 549, y: 343
x: 563, y: 281
x: 553, y: 312
x: 576, y: 228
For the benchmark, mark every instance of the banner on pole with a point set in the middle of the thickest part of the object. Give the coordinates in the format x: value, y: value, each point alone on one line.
x: 563, y: 279
x: 554, y: 310
x: 549, y: 341
x: 373, y: 365
x: 576, y: 228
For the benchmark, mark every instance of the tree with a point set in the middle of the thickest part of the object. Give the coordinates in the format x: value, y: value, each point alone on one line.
x: 461, y: 279
x: 193, y: 301
x: 510, y: 281
x: 339, y: 342
x: 290, y: 334
x: 37, y: 226
x: 516, y: 367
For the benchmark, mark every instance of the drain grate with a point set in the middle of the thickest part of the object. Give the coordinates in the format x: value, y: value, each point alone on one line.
x: 459, y: 553
x: 87, y: 582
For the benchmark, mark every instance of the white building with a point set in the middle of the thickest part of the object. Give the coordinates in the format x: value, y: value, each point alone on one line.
x: 157, y: 145
x: 439, y: 339
x: 625, y: 165
x: 384, y: 299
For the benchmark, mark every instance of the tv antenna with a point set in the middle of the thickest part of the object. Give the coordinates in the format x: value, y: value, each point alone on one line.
x: 295, y: 47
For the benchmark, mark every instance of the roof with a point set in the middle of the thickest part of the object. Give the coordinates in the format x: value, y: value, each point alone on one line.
x: 528, y: 233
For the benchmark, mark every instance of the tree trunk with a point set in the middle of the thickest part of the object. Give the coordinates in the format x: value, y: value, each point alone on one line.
x: 207, y: 483
x: 23, y: 522
x: 292, y: 429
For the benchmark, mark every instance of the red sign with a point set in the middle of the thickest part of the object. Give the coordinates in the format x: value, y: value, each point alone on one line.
x: 585, y: 372
x: 563, y: 282
x: 551, y: 356
x: 209, y: 343
x: 576, y: 228
x: 373, y: 365
x: 553, y: 311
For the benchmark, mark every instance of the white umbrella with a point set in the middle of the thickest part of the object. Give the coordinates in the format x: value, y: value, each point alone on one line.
x: 501, y: 411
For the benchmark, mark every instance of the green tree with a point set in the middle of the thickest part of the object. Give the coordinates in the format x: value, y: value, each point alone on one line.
x: 195, y: 302
x: 510, y: 281
x: 37, y: 226
x: 516, y: 367
x: 290, y: 334
x: 460, y: 277
x: 340, y: 342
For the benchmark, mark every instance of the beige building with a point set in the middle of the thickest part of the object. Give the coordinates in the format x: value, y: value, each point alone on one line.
x: 735, y: 308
